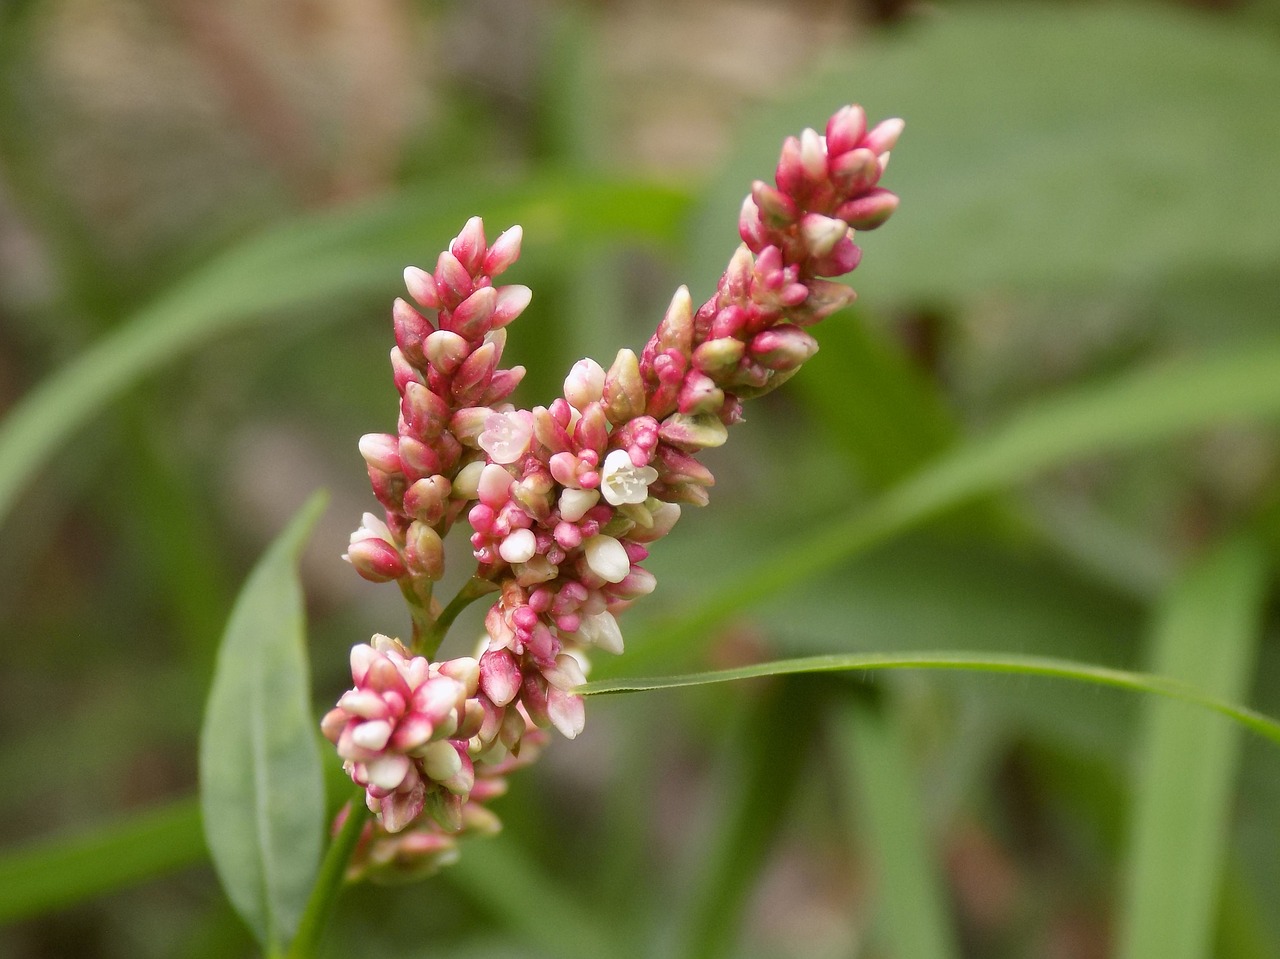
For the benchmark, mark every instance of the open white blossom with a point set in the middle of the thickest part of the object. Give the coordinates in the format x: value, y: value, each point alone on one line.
x: 623, y: 482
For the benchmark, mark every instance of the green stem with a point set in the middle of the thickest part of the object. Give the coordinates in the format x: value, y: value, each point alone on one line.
x: 429, y: 640
x: 417, y: 595
x: 329, y: 882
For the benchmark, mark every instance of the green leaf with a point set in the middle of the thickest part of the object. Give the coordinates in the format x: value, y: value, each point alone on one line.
x: 1027, y: 665
x: 877, y: 765
x: 1207, y: 634
x: 309, y: 261
x: 261, y: 783
x: 55, y: 873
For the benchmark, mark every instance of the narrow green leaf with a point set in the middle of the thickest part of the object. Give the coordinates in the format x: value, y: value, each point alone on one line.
x: 751, y: 805
x: 1027, y: 665
x: 261, y: 783
x: 1207, y: 634
x: 56, y: 873
x: 877, y: 767
x: 312, y: 260
x: 1138, y: 408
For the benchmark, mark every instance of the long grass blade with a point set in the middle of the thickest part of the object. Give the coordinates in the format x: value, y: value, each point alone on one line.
x: 1207, y: 634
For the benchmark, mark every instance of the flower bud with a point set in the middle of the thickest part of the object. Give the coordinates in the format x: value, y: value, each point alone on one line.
x: 777, y: 210
x: 453, y: 282
x: 584, y: 384
x: 675, y: 332
x: 499, y: 676
x: 411, y: 328
x: 424, y: 551
x: 884, y: 135
x: 376, y: 560
x: 422, y: 287
x: 697, y: 432
x: 821, y: 233
x: 475, y: 371
x: 854, y: 172
x: 427, y: 499
x: 845, y: 129
x: 425, y: 413
x: 719, y: 355
x: 512, y: 301
x: 504, y: 252
x: 606, y: 558
x: 870, y: 210
x: 469, y: 245
x: 446, y: 351
x: 471, y: 318
x: 624, y: 388
x: 783, y: 347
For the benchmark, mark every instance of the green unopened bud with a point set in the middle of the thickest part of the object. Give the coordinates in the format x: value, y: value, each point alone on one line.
x: 427, y: 499
x: 719, y: 355
x: 675, y: 332
x: 699, y: 431
x: 624, y: 388
x: 424, y: 551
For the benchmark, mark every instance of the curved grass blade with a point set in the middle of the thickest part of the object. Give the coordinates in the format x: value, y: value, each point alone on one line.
x: 55, y: 873
x: 261, y: 782
x: 1047, y: 666
x: 308, y: 261
x: 1208, y: 632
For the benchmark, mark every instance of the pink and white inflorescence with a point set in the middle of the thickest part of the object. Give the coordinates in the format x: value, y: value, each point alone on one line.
x: 562, y: 501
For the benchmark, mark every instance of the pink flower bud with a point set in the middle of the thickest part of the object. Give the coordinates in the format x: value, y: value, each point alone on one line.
x: 417, y: 459
x: 453, y: 281
x: 381, y: 451
x: 855, y: 171
x: 422, y: 287
x: 884, y: 135
x: 411, y: 328
x: 783, y: 347
x: 469, y: 245
x: 499, y: 676
x: 472, y: 317
x: 474, y: 373
x: 425, y: 413
x: 446, y: 351
x: 845, y: 129
x: 821, y: 233
x: 494, y: 486
x: 504, y: 252
x: 870, y: 210
x: 376, y: 560
x: 750, y: 227
x: 566, y: 712
x: 427, y: 499
x: 584, y: 384
x: 512, y: 301
x: 699, y: 394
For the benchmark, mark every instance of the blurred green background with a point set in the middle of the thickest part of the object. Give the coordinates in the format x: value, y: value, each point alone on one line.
x: 204, y: 210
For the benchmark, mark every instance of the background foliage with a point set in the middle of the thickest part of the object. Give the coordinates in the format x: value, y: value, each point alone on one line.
x: 1047, y: 429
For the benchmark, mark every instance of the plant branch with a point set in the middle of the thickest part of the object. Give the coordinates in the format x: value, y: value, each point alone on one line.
x: 329, y: 881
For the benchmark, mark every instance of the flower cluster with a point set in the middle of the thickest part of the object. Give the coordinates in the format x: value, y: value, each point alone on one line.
x: 562, y: 501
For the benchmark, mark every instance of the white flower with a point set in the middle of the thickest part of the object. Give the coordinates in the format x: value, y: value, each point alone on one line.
x: 607, y: 558
x: 622, y: 482
x: 506, y: 436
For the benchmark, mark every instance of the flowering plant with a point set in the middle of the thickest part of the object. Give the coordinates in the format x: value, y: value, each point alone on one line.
x: 563, y: 501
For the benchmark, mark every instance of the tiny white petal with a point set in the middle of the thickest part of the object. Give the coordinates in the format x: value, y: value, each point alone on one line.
x: 621, y: 482
x: 372, y: 735
x: 388, y: 772
x: 601, y: 630
x: 441, y: 760
x: 574, y: 503
x: 606, y: 558
x: 519, y: 547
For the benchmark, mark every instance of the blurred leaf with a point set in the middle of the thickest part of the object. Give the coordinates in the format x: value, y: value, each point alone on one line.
x: 500, y: 879
x: 309, y: 261
x: 1138, y: 408
x: 55, y: 873
x: 1207, y: 634
x: 1025, y: 665
x: 877, y: 765
x: 261, y: 785
x: 1088, y: 144
x: 876, y: 405
x: 751, y: 801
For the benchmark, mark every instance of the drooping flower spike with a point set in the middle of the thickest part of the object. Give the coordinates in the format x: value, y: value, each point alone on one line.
x: 562, y: 501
